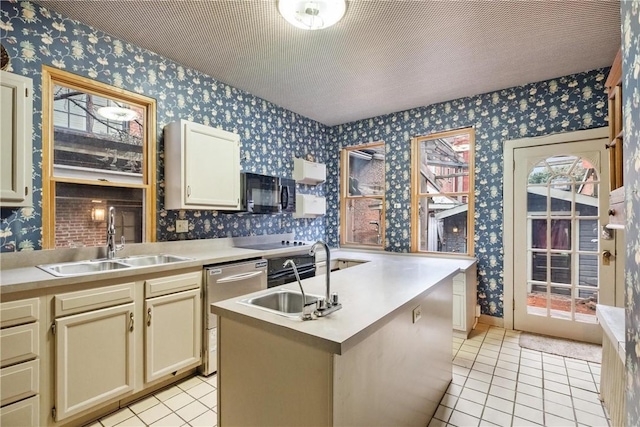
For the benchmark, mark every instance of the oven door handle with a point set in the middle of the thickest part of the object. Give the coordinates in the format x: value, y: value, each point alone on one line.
x: 239, y: 277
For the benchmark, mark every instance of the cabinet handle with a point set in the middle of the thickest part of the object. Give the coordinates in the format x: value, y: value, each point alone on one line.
x: 612, y: 212
x: 131, y: 322
x: 26, y: 191
x: 149, y: 317
x: 188, y: 191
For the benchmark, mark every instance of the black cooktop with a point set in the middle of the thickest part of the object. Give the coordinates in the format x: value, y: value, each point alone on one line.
x: 275, y: 245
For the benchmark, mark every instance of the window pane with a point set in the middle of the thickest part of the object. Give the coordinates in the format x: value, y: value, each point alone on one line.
x: 444, y: 164
x: 89, y: 137
x: 82, y: 210
x: 442, y: 224
x: 366, y: 172
x: 363, y: 222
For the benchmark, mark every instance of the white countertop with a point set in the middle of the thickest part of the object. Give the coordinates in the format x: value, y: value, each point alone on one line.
x: 612, y: 321
x: 370, y: 293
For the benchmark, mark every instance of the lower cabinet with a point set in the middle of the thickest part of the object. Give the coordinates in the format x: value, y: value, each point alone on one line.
x: 173, y: 333
x: 21, y: 414
x: 94, y: 358
x: 465, y: 299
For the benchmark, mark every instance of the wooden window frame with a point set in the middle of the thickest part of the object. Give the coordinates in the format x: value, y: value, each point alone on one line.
x: 52, y: 76
x: 416, y: 194
x: 344, y: 197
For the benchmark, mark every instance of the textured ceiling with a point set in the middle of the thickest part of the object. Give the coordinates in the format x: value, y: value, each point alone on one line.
x: 382, y: 57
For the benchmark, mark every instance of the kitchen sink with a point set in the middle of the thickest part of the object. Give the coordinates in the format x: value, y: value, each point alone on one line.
x: 78, y: 268
x: 142, y: 261
x: 284, y: 302
x: 82, y: 267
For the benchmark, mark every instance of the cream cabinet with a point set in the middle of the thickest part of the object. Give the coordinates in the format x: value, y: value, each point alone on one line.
x: 94, y: 350
x: 16, y: 99
x: 173, y: 330
x: 465, y: 299
x: 19, y: 363
x: 202, y: 167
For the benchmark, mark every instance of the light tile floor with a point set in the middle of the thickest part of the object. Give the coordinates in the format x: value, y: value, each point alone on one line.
x: 192, y: 402
x: 495, y: 383
x: 498, y: 383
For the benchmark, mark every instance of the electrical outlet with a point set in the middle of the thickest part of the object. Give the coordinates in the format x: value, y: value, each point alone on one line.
x: 182, y: 226
x: 417, y: 313
x: 397, y: 205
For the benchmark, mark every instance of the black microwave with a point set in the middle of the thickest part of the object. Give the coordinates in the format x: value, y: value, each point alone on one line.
x: 268, y: 194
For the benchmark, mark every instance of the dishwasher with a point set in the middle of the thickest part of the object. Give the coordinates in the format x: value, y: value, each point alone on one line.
x: 224, y: 281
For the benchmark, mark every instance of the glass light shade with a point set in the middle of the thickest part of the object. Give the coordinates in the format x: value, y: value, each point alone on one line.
x: 312, y: 15
x: 117, y: 113
x: 98, y: 214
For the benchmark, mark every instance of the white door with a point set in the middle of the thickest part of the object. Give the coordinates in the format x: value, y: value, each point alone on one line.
x: 560, y: 205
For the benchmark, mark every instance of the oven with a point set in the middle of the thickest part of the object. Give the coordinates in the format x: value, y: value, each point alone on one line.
x: 278, y: 275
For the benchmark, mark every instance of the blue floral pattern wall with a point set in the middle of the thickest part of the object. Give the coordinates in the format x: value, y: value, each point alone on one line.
x: 270, y: 135
x: 630, y: 19
x: 558, y: 105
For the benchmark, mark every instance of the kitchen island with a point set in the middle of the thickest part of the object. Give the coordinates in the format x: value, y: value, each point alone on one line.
x: 383, y: 359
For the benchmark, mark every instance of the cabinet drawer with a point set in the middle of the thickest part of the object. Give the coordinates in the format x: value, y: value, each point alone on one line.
x: 93, y: 299
x: 19, y: 381
x: 21, y: 414
x: 172, y: 284
x: 19, y: 312
x: 616, y: 209
x: 18, y: 344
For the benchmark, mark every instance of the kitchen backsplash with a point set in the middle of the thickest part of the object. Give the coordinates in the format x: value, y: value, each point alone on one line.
x: 558, y: 105
x: 270, y: 135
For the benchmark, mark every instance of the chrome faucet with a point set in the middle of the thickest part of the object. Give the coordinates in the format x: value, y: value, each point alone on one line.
x: 112, y: 248
x: 306, y: 308
x: 330, y: 303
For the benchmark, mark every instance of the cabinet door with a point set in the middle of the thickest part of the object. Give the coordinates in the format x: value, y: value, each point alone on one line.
x: 15, y: 140
x: 94, y: 358
x: 173, y: 333
x: 458, y: 312
x: 212, y: 167
x: 21, y: 414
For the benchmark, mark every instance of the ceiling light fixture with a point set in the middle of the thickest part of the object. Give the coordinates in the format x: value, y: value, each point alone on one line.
x: 312, y: 15
x: 117, y: 113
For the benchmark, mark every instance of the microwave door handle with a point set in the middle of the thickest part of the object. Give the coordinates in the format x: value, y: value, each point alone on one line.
x: 284, y: 197
x: 239, y: 277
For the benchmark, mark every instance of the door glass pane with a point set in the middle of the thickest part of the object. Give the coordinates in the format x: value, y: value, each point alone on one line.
x: 443, y: 224
x: 364, y: 221
x: 562, y: 207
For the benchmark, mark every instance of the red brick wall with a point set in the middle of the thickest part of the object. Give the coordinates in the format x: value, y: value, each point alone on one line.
x: 74, y: 226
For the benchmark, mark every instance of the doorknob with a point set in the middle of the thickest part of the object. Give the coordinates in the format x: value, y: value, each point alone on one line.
x: 606, y: 257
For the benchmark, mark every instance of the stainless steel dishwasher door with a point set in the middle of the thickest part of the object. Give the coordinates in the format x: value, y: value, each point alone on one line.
x: 223, y: 282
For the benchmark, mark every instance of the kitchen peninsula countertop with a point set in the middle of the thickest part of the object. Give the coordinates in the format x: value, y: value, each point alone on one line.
x: 370, y: 294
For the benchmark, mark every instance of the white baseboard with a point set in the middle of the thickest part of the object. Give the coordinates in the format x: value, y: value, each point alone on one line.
x: 491, y: 320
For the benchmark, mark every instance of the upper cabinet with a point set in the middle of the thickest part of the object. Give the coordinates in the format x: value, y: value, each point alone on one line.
x: 15, y: 121
x: 305, y: 172
x: 616, y: 136
x: 202, y: 167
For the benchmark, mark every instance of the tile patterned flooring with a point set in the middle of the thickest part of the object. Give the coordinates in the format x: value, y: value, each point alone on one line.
x: 495, y: 383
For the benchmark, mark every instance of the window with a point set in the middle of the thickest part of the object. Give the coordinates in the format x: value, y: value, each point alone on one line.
x: 362, y: 196
x: 442, y: 192
x: 98, y: 152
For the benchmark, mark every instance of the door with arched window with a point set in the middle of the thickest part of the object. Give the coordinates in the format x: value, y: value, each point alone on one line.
x: 561, y: 263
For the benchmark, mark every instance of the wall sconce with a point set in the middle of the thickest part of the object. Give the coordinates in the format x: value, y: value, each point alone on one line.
x: 98, y: 214
x: 455, y: 229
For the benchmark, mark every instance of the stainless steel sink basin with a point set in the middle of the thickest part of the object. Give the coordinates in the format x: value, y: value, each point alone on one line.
x: 142, y: 261
x: 78, y: 268
x: 82, y: 267
x: 284, y: 302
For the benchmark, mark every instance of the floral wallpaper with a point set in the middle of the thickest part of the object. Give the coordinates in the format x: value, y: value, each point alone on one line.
x: 558, y: 105
x: 630, y: 21
x: 271, y: 136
